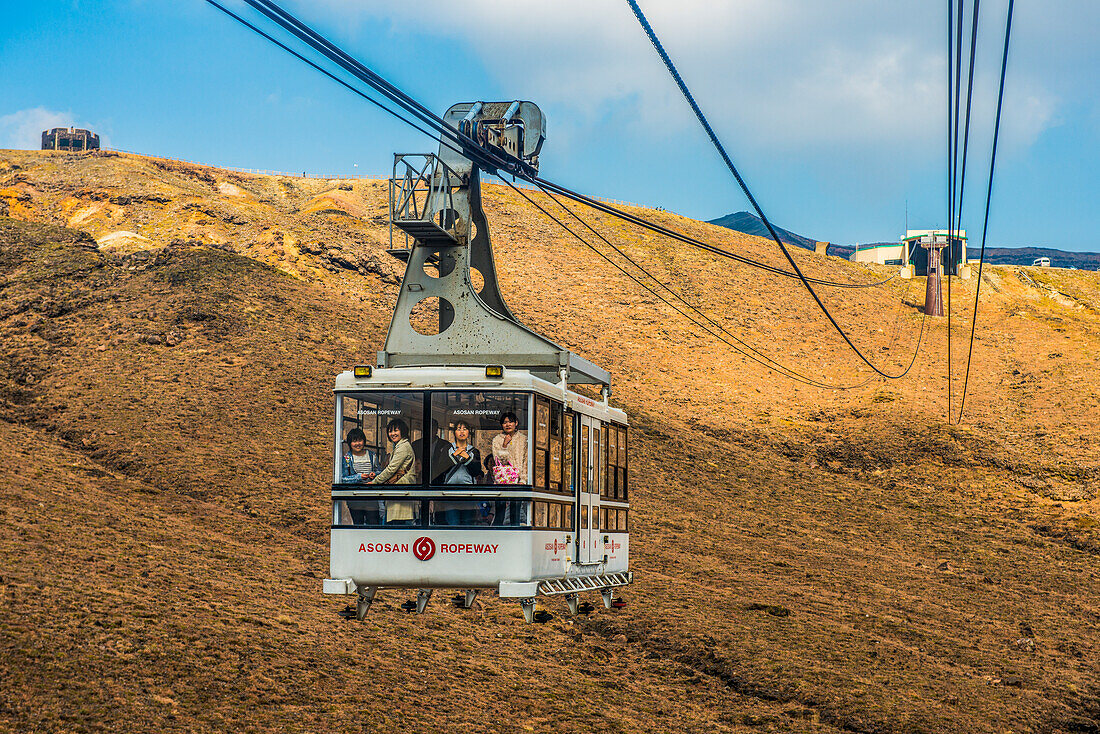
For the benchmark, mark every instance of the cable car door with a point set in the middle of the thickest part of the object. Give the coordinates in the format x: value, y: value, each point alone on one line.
x: 591, y: 550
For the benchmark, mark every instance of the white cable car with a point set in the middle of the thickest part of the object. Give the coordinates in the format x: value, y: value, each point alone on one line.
x: 464, y: 460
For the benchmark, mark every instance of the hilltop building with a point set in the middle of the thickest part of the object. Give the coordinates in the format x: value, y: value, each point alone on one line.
x: 72, y: 139
x: 911, y: 253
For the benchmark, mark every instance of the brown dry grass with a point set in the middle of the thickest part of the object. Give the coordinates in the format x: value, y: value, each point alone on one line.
x: 163, y: 444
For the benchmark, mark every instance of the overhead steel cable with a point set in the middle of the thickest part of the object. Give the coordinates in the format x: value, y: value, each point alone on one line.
x: 773, y: 363
x: 736, y: 343
x: 465, y: 145
x: 988, y: 198
x: 744, y: 187
x: 485, y: 158
x: 673, y: 234
x: 327, y: 73
x: 954, y: 47
x: 961, y: 188
x: 319, y: 43
x: 470, y: 147
x: 397, y: 115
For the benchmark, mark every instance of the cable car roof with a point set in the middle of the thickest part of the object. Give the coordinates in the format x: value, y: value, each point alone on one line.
x: 465, y: 378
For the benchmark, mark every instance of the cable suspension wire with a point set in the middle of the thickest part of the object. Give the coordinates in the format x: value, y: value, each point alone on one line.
x: 958, y: 209
x: 988, y: 198
x: 778, y: 366
x: 744, y: 187
x: 953, y: 166
x: 734, y: 342
x: 330, y: 75
x: 456, y: 140
x: 667, y: 232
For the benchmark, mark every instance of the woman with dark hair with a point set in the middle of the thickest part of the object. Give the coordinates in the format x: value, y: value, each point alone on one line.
x: 465, y: 459
x: 360, y: 463
x: 464, y: 467
x: 510, y: 452
x: 399, y: 470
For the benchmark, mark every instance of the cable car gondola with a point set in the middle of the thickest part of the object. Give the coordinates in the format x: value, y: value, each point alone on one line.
x: 463, y: 459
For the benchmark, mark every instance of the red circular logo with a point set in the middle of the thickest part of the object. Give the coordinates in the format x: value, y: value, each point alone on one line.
x: 424, y: 548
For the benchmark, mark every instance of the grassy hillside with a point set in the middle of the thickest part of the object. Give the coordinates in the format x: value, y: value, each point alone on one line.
x: 807, y: 560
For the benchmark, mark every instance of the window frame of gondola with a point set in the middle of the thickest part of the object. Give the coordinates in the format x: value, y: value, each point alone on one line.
x: 624, y: 463
x: 621, y: 522
x: 550, y: 452
x: 615, y: 466
x: 544, y: 510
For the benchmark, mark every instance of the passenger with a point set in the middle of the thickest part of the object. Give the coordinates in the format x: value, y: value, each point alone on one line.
x: 360, y: 464
x: 399, y: 470
x: 510, y: 450
x: 464, y: 461
x: 464, y: 458
x: 489, y: 463
x: 439, y: 462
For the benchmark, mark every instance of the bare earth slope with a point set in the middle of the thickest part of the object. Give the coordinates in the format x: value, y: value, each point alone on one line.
x: 808, y: 560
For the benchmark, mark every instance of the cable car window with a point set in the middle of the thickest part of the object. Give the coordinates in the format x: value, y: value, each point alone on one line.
x: 549, y: 446
x: 567, y: 454
x: 479, y: 513
x: 615, y: 486
x: 612, y: 486
x: 473, y: 431
x: 584, y: 461
x: 376, y: 513
x: 542, y: 441
x: 584, y: 517
x: 622, y: 521
x: 379, y: 432
x: 462, y: 513
x: 556, y: 447
x: 597, y: 475
x: 540, y: 514
x: 542, y: 423
x: 555, y: 515
x: 624, y: 463
x: 606, y: 472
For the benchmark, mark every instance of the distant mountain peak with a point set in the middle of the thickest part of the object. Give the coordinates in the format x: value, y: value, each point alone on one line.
x: 749, y: 223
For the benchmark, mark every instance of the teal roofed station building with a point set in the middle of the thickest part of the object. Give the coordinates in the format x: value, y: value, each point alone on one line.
x: 911, y: 253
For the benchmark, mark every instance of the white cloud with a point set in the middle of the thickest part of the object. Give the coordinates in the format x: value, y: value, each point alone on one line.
x: 782, y: 73
x: 22, y: 130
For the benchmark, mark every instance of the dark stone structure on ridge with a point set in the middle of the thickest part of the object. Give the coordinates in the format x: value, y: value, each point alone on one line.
x: 70, y: 139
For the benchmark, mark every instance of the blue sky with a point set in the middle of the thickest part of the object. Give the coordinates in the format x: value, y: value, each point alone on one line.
x: 834, y: 112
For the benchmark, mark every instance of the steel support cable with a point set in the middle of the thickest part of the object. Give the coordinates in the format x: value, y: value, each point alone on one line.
x: 479, y: 154
x: 745, y: 349
x: 895, y: 329
x: 469, y: 148
x: 961, y: 188
x: 988, y: 198
x: 779, y: 366
x: 486, y: 159
x: 793, y: 374
x: 953, y: 164
x: 330, y: 75
x: 744, y: 187
x: 950, y: 153
x: 673, y: 234
x: 319, y: 43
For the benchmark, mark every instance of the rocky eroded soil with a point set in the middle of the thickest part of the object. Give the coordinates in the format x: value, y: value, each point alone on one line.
x: 806, y: 559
